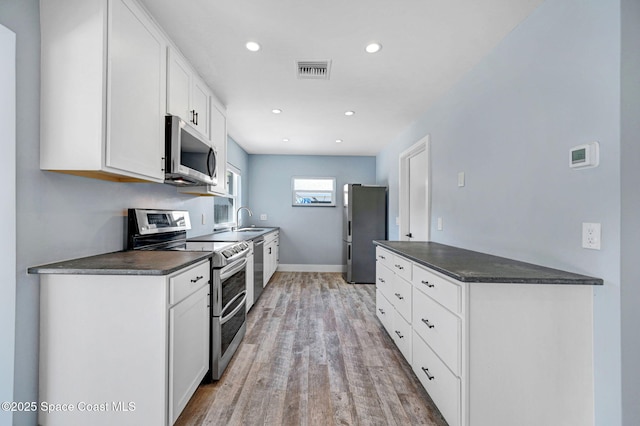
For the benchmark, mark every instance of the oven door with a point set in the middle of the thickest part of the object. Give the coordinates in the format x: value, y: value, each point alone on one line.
x: 229, y: 285
x: 229, y: 315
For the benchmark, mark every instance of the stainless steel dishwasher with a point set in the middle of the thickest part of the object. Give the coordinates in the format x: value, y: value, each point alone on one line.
x: 258, y: 267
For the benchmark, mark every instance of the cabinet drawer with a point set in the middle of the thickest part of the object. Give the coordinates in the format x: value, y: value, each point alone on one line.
x: 402, y: 267
x: 271, y: 236
x: 439, y: 288
x: 185, y: 283
x: 443, y: 387
x: 385, y: 257
x: 384, y: 311
x: 402, y: 335
x: 384, y: 280
x: 401, y: 298
x: 440, y: 328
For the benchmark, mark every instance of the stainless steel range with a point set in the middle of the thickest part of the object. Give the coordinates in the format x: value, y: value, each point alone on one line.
x: 167, y: 230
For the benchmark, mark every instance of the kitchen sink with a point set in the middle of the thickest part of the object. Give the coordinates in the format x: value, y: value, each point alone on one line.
x: 250, y: 230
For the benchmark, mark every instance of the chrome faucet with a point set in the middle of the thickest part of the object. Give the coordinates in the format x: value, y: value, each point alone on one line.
x: 238, y: 215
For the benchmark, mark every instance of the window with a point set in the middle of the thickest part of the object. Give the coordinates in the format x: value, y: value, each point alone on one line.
x: 224, y: 208
x: 308, y: 191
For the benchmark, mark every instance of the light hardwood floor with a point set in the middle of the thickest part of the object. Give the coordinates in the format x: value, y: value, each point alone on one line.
x: 314, y: 354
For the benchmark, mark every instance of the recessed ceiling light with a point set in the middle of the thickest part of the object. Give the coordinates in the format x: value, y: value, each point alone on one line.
x: 285, y: 140
x: 373, y: 47
x: 252, y: 46
x: 338, y: 140
x: 276, y: 111
x: 349, y: 113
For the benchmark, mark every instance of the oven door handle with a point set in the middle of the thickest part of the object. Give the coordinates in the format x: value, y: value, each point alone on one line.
x: 235, y: 267
x: 224, y: 318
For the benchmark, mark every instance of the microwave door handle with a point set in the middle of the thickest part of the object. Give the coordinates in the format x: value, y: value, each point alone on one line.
x: 211, y: 158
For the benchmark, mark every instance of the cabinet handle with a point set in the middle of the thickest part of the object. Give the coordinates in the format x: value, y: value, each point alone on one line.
x: 399, y: 296
x: 381, y: 311
x: 428, y: 284
x: 399, y: 335
x: 381, y: 280
x: 382, y: 257
x: 193, y: 116
x: 198, y: 278
x: 399, y: 267
x: 426, y: 371
x: 196, y: 123
x: 426, y: 321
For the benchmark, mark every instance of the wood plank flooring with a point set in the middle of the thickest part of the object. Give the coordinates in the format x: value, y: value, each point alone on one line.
x: 314, y: 354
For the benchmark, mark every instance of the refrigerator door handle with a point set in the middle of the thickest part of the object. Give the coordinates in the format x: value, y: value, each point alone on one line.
x: 349, y: 228
x: 349, y: 252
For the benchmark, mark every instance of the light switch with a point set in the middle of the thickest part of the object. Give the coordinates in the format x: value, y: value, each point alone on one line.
x: 439, y: 224
x: 461, y: 179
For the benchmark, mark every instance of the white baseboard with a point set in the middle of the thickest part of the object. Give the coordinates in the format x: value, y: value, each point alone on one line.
x: 311, y: 268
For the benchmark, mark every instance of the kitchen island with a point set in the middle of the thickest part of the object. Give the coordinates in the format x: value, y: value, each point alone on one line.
x: 493, y: 340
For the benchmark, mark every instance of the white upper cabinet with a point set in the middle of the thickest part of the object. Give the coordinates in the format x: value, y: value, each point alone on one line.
x: 103, y: 90
x: 188, y: 97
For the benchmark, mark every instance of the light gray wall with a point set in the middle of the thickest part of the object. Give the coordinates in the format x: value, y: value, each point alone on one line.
x: 553, y: 83
x: 630, y: 176
x: 239, y: 158
x: 7, y: 216
x: 308, y: 235
x: 60, y: 216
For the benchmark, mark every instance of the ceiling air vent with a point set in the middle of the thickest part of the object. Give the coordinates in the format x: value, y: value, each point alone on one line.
x: 314, y: 70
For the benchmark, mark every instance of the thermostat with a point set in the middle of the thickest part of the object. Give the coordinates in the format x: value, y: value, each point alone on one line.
x: 583, y: 156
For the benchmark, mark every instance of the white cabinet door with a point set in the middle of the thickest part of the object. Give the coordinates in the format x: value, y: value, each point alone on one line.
x: 178, y: 85
x: 136, y: 92
x: 201, y: 105
x: 188, y: 96
x: 188, y: 349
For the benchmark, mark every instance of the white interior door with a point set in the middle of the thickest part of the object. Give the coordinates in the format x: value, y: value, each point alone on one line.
x: 414, y: 192
x: 418, y: 218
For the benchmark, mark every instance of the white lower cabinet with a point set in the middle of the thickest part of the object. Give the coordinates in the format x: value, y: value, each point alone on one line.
x: 384, y: 311
x: 271, y: 249
x: 394, y: 300
x: 402, y: 334
x: 188, y: 349
x: 440, y: 327
x: 443, y: 386
x: 122, y: 349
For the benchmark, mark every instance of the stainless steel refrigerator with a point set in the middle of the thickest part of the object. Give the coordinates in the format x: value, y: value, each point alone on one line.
x: 365, y: 220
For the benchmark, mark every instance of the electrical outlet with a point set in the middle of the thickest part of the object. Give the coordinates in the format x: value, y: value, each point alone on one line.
x: 461, y: 179
x: 263, y: 216
x: 591, y: 233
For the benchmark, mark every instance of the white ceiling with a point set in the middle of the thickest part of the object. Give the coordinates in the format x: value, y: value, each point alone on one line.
x: 427, y: 46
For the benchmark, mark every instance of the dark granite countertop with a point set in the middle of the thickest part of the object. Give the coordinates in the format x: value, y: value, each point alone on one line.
x: 471, y: 266
x: 139, y: 262
x: 233, y: 236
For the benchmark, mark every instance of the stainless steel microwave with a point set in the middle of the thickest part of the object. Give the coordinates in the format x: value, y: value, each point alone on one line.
x: 189, y: 158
